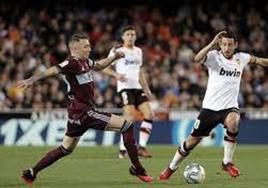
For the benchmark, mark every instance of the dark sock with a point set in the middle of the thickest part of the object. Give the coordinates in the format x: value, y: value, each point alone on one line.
x: 50, y: 158
x: 130, y: 144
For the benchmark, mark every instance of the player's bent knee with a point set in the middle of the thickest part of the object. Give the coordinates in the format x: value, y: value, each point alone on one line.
x: 233, y: 118
x: 235, y: 121
x: 233, y: 126
x: 70, y: 143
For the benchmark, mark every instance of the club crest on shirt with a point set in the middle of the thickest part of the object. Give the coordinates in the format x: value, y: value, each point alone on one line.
x: 238, y: 61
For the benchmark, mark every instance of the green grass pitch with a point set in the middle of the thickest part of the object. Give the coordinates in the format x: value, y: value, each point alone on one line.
x: 98, y: 167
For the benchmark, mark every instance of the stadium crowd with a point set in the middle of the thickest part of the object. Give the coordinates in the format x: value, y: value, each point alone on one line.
x: 33, y: 39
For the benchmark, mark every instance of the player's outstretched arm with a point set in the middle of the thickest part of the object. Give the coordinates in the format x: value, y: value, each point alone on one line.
x: 48, y: 72
x: 144, y: 85
x: 258, y: 61
x: 201, y: 55
x: 102, y: 64
x: 113, y: 73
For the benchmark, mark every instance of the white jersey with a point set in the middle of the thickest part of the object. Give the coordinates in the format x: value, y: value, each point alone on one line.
x: 224, y: 80
x: 129, y: 66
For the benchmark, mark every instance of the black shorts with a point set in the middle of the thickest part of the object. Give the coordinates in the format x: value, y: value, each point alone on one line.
x: 90, y: 119
x: 133, y: 97
x: 209, y: 119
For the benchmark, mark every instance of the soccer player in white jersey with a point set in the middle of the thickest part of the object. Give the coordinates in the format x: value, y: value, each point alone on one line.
x: 133, y: 88
x: 220, y: 103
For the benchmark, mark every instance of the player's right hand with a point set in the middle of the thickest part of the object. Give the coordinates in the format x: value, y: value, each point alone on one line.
x: 118, y: 54
x: 217, y: 38
x: 24, y: 84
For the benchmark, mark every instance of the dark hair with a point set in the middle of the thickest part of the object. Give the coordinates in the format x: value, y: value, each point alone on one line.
x: 127, y: 28
x: 230, y: 35
x: 77, y: 38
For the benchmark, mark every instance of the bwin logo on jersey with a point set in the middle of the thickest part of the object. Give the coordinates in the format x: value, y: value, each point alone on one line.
x: 130, y: 62
x: 234, y: 73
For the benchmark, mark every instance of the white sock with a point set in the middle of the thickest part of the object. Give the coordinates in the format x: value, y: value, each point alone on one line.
x: 144, y: 136
x: 176, y: 160
x: 229, y: 148
x: 121, y: 143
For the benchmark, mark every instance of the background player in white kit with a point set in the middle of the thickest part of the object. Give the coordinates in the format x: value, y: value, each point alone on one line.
x: 133, y: 88
x: 220, y: 103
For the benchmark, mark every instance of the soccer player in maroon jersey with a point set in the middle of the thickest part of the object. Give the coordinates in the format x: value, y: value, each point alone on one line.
x: 77, y: 70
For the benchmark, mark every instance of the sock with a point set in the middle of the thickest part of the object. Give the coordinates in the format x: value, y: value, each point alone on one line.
x: 130, y: 144
x: 50, y: 158
x: 176, y: 160
x: 229, y: 146
x: 121, y: 144
x: 145, y: 132
x: 180, y: 154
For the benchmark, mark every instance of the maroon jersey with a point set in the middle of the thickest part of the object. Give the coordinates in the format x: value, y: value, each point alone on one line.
x: 79, y: 79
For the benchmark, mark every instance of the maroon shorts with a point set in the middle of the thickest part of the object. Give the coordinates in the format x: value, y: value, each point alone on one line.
x: 90, y: 119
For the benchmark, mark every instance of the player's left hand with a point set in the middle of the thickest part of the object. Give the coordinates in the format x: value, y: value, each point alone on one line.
x: 24, y: 84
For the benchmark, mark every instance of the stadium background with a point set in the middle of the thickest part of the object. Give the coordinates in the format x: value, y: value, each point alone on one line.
x: 33, y: 35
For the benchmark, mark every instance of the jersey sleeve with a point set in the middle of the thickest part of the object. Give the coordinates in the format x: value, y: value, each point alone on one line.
x: 210, y: 59
x: 69, y: 66
x: 245, y: 58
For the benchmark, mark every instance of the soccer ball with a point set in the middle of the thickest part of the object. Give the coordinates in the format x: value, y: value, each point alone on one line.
x: 194, y: 173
